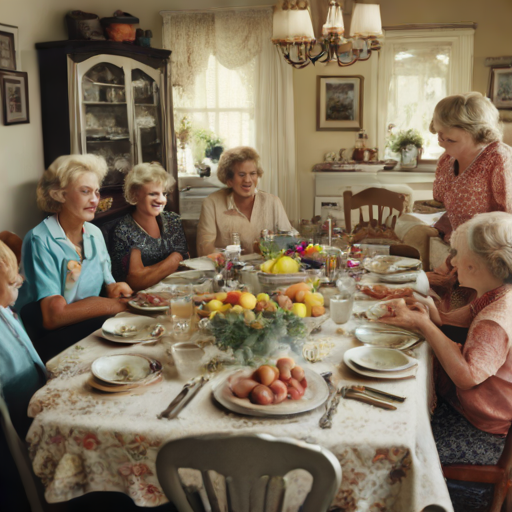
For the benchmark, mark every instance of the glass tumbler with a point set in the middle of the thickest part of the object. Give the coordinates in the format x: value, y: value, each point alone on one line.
x: 182, y: 310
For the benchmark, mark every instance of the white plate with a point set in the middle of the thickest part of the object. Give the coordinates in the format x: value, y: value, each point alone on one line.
x: 399, y: 278
x: 380, y: 359
x: 316, y: 394
x: 411, y: 372
x: 385, y: 264
x: 202, y: 263
x: 121, y: 369
x: 187, y: 276
x: 143, y: 324
x: 386, y: 336
x: 134, y: 305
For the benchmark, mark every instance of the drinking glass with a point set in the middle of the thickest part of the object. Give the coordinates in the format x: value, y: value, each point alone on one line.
x: 181, y: 310
x: 187, y: 358
x: 341, y: 308
x: 333, y: 258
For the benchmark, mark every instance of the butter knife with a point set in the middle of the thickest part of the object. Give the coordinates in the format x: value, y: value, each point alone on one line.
x: 378, y: 393
x: 352, y: 394
x: 190, y: 389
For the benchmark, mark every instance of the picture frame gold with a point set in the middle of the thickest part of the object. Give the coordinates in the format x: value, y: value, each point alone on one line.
x: 339, y: 103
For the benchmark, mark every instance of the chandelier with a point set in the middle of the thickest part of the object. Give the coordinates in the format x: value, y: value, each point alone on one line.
x: 293, y: 34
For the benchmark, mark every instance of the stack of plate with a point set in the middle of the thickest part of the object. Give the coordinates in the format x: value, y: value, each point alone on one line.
x: 124, y: 372
x: 380, y: 363
x: 387, y: 336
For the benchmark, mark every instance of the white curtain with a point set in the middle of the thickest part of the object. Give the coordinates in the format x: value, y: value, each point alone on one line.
x: 227, y: 75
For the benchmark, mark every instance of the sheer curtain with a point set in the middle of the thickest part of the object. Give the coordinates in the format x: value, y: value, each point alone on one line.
x: 228, y: 77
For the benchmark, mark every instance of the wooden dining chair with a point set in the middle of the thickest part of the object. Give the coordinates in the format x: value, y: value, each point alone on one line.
x: 20, y: 456
x: 380, y: 198
x: 500, y: 475
x: 12, y: 241
x: 248, y: 473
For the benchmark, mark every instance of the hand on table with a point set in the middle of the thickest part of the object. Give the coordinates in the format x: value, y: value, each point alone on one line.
x: 408, y: 316
x: 119, y: 291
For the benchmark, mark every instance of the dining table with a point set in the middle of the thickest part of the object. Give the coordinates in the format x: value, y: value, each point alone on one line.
x: 83, y: 440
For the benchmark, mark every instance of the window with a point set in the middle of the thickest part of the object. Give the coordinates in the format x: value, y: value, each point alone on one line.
x: 223, y: 103
x: 418, y: 68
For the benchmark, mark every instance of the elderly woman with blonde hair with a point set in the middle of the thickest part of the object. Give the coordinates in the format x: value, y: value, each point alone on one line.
x: 65, y: 261
x: 474, y: 380
x: 240, y: 208
x: 148, y: 243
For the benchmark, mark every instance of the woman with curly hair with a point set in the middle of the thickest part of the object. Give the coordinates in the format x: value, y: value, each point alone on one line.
x: 240, y: 208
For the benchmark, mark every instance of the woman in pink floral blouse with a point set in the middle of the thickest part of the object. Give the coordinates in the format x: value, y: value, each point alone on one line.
x: 474, y: 379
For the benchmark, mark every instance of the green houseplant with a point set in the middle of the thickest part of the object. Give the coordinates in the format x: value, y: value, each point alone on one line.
x: 409, y: 143
x: 211, y: 143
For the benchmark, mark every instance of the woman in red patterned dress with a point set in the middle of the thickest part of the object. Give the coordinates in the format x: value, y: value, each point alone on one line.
x: 474, y: 175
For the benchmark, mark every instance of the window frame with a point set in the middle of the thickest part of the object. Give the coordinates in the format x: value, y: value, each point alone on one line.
x: 461, y: 69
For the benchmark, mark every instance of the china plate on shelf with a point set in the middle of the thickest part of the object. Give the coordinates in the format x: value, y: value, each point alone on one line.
x: 378, y: 359
x: 386, y: 336
x: 124, y: 368
x: 316, y: 394
x: 134, y: 305
x: 385, y: 264
x: 137, y: 329
x: 405, y: 374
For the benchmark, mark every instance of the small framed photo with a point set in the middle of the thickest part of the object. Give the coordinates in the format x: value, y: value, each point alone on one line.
x: 339, y: 103
x: 500, y: 90
x: 9, y: 54
x: 14, y: 89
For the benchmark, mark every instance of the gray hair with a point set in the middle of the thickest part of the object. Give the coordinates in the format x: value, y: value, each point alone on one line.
x: 231, y: 157
x: 142, y: 174
x: 63, y: 171
x: 471, y: 112
x: 489, y: 236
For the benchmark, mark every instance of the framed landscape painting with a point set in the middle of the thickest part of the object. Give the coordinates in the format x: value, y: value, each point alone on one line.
x: 14, y: 87
x: 500, y: 90
x: 339, y: 103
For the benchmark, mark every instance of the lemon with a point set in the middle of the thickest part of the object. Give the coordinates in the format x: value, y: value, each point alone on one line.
x: 299, y: 309
x: 214, y: 305
x: 248, y: 300
x: 263, y: 296
x: 267, y: 266
x: 285, y: 265
x: 237, y: 309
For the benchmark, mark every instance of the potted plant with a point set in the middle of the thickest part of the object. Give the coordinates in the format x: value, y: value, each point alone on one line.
x: 211, y: 142
x: 409, y: 143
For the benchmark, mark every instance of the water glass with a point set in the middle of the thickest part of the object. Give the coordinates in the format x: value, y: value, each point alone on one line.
x: 341, y: 308
x: 187, y: 358
x: 333, y: 258
x: 181, y: 310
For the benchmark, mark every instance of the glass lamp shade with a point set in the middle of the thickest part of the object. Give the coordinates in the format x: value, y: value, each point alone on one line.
x: 334, y: 24
x: 366, y: 21
x: 292, y: 26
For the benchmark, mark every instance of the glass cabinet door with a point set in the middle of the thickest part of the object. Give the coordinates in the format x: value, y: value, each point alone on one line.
x: 105, y: 122
x: 148, y: 122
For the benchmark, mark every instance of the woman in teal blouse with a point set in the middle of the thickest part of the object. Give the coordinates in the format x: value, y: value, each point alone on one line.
x: 65, y: 261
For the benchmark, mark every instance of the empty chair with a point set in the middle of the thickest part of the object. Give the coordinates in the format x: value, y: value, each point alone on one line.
x: 379, y: 197
x: 500, y: 475
x: 243, y: 473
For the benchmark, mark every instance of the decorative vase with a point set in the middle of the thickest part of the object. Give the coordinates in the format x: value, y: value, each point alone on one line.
x: 410, y: 156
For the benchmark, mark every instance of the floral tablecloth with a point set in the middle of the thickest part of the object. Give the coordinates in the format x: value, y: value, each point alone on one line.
x: 83, y: 440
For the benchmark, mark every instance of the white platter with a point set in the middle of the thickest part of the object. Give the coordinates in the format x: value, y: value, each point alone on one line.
x: 385, y: 264
x: 386, y: 336
x: 411, y: 372
x: 121, y: 369
x: 134, y: 305
x: 316, y: 394
x: 202, y: 263
x: 380, y: 359
x: 400, y: 278
x: 143, y: 324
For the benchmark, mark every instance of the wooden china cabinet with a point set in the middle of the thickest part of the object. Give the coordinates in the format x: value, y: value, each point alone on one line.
x: 111, y: 99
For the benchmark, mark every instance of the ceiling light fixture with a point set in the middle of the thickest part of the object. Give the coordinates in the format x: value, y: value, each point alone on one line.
x: 293, y: 34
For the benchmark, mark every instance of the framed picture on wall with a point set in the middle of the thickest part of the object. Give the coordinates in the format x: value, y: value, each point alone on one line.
x: 9, y: 54
x: 14, y: 89
x: 339, y: 103
x: 500, y: 90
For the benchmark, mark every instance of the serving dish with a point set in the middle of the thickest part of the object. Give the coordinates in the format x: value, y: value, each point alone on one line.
x: 316, y: 394
x: 123, y: 368
x: 131, y: 329
x: 386, y: 264
x: 380, y: 359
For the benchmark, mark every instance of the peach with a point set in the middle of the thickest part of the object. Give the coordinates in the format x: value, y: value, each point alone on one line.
x: 285, y: 364
x: 280, y: 390
x: 292, y: 290
x: 262, y: 395
x: 265, y: 374
x: 299, y: 297
x: 317, y: 311
x: 242, y: 387
x: 295, y: 384
x: 297, y: 373
x: 284, y: 302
